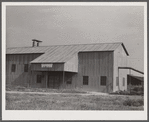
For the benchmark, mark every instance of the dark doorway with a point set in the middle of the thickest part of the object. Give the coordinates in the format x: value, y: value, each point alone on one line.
x: 53, y: 81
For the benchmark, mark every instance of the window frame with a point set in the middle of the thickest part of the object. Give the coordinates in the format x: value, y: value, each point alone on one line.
x: 103, y: 80
x: 13, y: 68
x: 85, y: 80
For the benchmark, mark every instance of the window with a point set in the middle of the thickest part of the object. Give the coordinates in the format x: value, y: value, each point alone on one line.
x: 39, y: 78
x: 25, y: 67
x: 103, y: 80
x: 85, y: 80
x: 123, y: 81
x: 13, y: 68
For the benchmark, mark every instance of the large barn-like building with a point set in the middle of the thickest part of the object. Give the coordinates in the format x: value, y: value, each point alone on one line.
x: 91, y: 67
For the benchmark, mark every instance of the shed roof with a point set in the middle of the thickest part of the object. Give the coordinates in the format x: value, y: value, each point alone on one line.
x: 61, y: 53
x: 137, y: 77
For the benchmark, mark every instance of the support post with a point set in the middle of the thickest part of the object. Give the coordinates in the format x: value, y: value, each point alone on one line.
x: 63, y: 77
x: 46, y: 79
x: 30, y: 80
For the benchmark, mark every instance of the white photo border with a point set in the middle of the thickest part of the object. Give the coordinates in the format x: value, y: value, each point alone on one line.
x: 71, y: 115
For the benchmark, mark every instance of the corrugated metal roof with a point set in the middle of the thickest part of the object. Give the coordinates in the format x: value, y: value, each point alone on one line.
x: 25, y: 50
x: 62, y: 53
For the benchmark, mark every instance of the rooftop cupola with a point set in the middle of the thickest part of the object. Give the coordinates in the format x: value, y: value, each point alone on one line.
x: 36, y: 42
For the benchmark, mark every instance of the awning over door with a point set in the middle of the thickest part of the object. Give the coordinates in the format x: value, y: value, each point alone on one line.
x: 69, y: 66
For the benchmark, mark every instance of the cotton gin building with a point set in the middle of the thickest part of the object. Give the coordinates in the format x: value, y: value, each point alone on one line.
x: 84, y: 66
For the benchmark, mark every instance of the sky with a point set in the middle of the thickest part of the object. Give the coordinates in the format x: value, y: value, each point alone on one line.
x: 59, y: 25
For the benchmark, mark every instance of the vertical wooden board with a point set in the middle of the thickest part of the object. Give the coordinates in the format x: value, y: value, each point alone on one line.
x: 82, y: 68
x: 12, y: 59
x: 96, y: 63
x: 104, y: 64
x: 28, y: 58
x: 91, y: 70
x: 108, y: 64
x: 80, y: 63
x: 9, y: 68
x: 98, y: 82
x: 95, y: 80
x: 90, y: 73
x: 112, y: 65
x: 21, y: 59
x: 101, y: 64
x: 18, y: 58
x: 25, y: 59
x: 17, y: 69
x: 91, y: 64
x: 85, y: 67
x: 83, y: 62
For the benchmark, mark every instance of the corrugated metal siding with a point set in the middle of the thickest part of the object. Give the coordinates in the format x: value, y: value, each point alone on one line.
x: 24, y: 50
x: 62, y: 53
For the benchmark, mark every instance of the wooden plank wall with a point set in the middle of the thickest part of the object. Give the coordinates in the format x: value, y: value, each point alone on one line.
x: 33, y: 81
x: 95, y: 65
x: 19, y: 77
x: 120, y: 60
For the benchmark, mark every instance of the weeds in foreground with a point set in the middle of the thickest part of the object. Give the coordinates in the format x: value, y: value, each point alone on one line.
x: 129, y: 102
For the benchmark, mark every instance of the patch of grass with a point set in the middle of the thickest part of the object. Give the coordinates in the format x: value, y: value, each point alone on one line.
x: 68, y: 102
x: 26, y: 89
